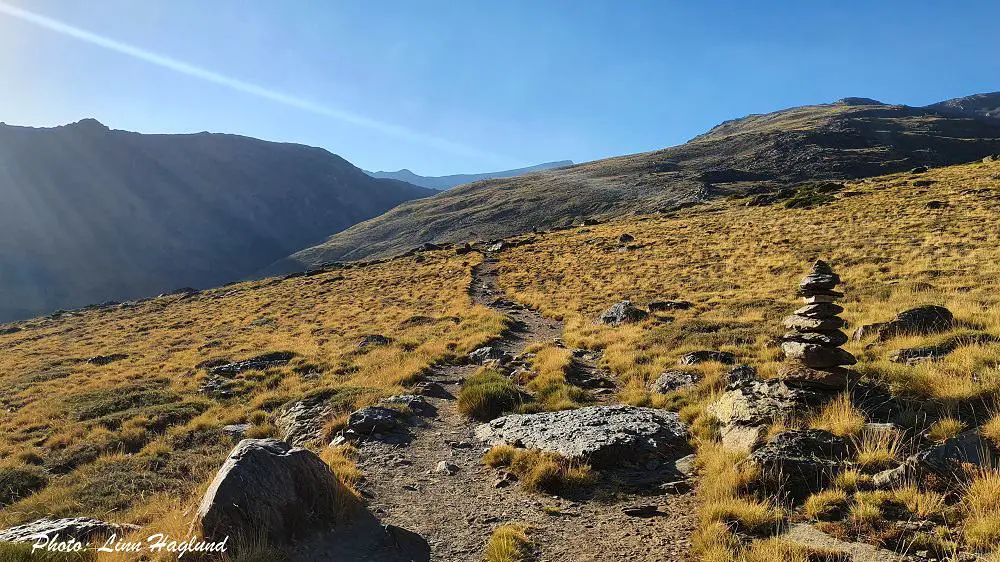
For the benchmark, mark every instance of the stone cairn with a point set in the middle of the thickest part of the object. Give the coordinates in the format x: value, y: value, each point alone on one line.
x: 812, y: 346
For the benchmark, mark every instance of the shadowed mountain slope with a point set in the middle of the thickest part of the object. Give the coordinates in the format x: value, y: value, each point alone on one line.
x: 852, y: 138
x: 447, y: 182
x: 90, y: 214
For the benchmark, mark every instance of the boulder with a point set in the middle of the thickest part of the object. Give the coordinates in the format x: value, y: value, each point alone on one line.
x: 826, y: 338
x: 623, y: 313
x: 602, y: 435
x: 761, y: 402
x: 802, y: 461
x: 670, y: 381
x: 945, y: 460
x: 267, y: 488
x: 258, y: 363
x: 80, y: 529
x: 817, y: 356
x: 695, y: 357
x: 661, y: 306
x: 626, y: 238
x: 302, y: 421
x: 803, y: 324
x: 916, y: 321
x: 373, y: 419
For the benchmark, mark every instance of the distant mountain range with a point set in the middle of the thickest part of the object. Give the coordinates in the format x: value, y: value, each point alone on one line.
x: 89, y: 214
x: 448, y: 182
x: 851, y: 138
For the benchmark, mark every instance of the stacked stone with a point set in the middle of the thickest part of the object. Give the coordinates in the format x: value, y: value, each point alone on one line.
x: 812, y: 347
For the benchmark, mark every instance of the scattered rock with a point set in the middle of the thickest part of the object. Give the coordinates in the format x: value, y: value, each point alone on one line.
x: 486, y: 354
x: 623, y: 313
x: 504, y: 479
x: 445, y: 467
x: 433, y: 389
x: 258, y: 363
x: 9, y: 330
x: 373, y: 419
x: 81, y: 529
x: 236, y: 430
x: 936, y: 204
x: 918, y: 170
x: 674, y: 380
x: 268, y: 487
x: 602, y: 435
x: 626, y: 238
x: 372, y: 340
x: 412, y: 402
x: 642, y: 511
x: 105, y: 359
x: 217, y: 387
x: 688, y: 465
x: 801, y: 461
x: 498, y: 247
x: 661, y: 306
x: 922, y: 320
x: 696, y: 357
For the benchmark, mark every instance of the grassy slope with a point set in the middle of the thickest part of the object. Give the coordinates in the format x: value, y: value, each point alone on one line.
x: 146, y: 458
x: 740, y: 266
x: 833, y: 141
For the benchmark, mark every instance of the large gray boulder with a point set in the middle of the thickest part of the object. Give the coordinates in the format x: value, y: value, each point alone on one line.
x: 81, y: 529
x: 802, y: 461
x: 916, y: 321
x: 373, y: 419
x: 602, y: 435
x: 270, y: 489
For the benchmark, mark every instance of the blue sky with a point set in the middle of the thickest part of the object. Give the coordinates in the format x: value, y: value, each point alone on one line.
x: 465, y: 86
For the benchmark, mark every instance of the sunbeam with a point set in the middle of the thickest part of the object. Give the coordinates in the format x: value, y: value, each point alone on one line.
x: 245, y: 87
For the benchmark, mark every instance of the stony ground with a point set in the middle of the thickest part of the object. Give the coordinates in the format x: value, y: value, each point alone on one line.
x: 455, y: 514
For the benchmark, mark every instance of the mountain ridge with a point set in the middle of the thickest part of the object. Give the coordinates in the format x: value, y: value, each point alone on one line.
x: 449, y: 181
x: 93, y: 214
x: 851, y: 138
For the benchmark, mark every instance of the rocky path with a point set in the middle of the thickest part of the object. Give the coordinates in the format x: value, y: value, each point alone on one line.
x: 454, y: 514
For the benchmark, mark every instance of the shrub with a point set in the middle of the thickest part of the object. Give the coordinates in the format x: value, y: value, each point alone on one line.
x: 508, y: 543
x: 488, y: 394
x: 540, y: 471
x: 840, y: 417
x: 945, y: 428
x: 878, y: 450
x: 826, y: 505
x: 744, y: 515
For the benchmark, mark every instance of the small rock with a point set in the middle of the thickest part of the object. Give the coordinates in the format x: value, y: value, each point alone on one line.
x: 918, y: 170
x: 922, y: 320
x: 504, y: 479
x: 626, y: 238
x: 623, y: 313
x: 445, y: 467
x: 642, y: 511
x: 413, y: 402
x: 674, y: 380
x: 740, y: 375
x: 236, y: 430
x: 105, y: 359
x: 486, y: 354
x: 372, y: 340
x: 258, y: 363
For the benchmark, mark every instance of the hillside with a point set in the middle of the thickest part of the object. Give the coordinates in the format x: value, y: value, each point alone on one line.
x: 448, y: 182
x: 91, y: 214
x: 986, y: 106
x: 124, y: 413
x: 852, y: 138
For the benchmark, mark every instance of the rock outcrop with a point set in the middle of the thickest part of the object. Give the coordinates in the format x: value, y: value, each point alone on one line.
x: 268, y: 488
x: 81, y: 529
x: 602, y: 435
x: 801, y: 461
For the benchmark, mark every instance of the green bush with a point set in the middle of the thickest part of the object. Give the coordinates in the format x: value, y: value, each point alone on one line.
x: 488, y: 394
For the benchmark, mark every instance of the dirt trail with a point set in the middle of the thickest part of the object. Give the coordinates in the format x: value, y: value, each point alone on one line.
x: 455, y: 514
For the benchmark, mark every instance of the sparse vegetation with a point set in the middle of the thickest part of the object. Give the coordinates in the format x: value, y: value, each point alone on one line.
x: 135, y: 439
x: 840, y: 417
x: 540, y: 471
x: 508, y: 543
x: 488, y: 394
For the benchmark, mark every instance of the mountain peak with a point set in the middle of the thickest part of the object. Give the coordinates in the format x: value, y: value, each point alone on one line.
x: 89, y: 123
x: 857, y: 101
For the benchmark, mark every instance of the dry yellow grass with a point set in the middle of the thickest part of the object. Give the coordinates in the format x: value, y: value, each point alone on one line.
x: 134, y: 440
x: 740, y: 265
x: 508, y: 543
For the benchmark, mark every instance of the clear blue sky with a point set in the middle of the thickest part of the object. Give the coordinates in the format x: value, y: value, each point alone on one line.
x: 463, y: 86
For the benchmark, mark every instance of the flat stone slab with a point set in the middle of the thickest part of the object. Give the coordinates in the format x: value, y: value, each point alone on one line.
x: 602, y: 435
x: 82, y: 529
